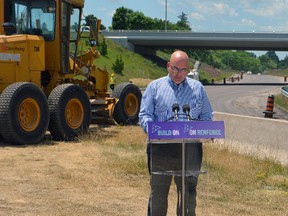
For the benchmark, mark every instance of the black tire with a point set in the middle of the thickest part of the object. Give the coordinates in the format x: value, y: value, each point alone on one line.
x: 127, y: 108
x: 24, y: 114
x: 70, y: 112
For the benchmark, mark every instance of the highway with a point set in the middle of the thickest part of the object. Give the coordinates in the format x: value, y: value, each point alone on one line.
x: 249, y: 100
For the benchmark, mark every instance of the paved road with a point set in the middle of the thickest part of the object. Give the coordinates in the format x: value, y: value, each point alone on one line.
x: 248, y: 100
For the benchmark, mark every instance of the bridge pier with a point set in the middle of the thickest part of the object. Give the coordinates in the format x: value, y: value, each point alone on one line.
x: 145, y: 51
x: 123, y: 41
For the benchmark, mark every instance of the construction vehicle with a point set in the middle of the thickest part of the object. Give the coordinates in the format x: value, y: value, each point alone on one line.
x: 49, y: 81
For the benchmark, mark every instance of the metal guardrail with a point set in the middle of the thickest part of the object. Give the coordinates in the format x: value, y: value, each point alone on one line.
x: 284, y: 91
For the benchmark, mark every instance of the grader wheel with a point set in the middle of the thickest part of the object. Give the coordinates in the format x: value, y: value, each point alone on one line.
x: 127, y: 108
x: 24, y: 114
x: 70, y: 112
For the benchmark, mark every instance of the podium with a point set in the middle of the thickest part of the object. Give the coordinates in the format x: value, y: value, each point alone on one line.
x: 175, y: 150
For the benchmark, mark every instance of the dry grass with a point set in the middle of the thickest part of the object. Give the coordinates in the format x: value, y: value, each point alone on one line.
x: 246, y: 185
x: 104, y: 173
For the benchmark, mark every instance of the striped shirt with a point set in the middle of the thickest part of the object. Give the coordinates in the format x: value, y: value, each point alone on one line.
x: 161, y: 94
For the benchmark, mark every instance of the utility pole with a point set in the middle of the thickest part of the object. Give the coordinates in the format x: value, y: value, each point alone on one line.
x: 165, y: 15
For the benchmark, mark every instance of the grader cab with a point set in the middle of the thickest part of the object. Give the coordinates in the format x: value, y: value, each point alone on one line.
x: 49, y: 80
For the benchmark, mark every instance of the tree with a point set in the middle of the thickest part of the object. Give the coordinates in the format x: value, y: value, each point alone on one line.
x: 120, y: 19
x: 90, y: 17
x: 266, y: 62
x: 286, y: 59
x: 273, y: 56
x: 183, y: 23
x: 139, y: 21
x: 283, y: 64
x: 103, y: 48
x: 127, y: 19
x: 118, y: 66
x: 159, y: 24
x: 44, y: 27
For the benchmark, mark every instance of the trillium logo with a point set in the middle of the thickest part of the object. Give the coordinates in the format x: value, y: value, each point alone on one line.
x: 187, y: 128
x: 155, y: 128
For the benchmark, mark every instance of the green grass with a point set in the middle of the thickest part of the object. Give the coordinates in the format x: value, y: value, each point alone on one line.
x: 135, y: 65
x: 281, y: 101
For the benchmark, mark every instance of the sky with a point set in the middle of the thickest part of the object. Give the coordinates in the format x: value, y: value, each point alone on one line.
x: 204, y: 15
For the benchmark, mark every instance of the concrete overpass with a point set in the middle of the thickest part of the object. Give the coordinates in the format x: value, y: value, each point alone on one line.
x: 140, y: 41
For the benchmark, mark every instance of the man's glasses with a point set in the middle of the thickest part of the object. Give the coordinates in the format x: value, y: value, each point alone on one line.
x: 178, y: 70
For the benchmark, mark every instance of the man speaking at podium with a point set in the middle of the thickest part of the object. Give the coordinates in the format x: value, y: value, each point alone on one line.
x: 174, y: 97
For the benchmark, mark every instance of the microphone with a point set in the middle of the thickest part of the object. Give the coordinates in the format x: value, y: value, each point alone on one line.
x: 175, y: 109
x: 186, y: 110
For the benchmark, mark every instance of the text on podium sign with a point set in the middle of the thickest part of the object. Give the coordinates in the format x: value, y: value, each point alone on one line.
x: 186, y: 130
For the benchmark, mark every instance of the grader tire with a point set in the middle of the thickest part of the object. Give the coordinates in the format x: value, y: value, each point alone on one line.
x: 127, y: 108
x: 70, y: 112
x: 24, y: 114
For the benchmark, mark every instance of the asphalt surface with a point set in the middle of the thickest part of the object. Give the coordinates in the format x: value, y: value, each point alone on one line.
x: 249, y: 100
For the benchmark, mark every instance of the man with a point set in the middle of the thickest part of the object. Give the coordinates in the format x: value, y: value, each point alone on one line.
x: 112, y: 81
x: 157, y: 100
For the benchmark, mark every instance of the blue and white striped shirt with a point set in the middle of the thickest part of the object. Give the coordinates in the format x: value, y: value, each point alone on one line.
x: 161, y: 94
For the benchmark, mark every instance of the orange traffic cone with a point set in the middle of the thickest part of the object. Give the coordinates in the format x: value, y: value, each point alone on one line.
x: 269, y: 107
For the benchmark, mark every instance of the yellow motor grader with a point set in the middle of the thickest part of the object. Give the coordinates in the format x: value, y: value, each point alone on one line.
x: 49, y: 80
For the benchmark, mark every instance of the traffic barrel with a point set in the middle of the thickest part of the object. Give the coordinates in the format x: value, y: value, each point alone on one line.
x: 269, y: 107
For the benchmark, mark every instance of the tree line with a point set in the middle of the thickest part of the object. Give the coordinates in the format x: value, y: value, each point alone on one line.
x: 127, y: 19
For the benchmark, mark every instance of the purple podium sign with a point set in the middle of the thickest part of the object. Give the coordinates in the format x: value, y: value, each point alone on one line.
x: 186, y: 130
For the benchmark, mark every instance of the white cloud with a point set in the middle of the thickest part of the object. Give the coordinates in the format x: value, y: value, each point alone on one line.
x: 213, y: 8
x: 266, y: 8
x: 170, y: 7
x: 102, y: 9
x: 162, y: 2
x: 197, y: 16
x: 248, y: 22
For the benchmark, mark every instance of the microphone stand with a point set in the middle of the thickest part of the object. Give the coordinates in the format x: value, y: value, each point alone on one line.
x: 186, y: 110
x: 175, y: 109
x: 183, y: 177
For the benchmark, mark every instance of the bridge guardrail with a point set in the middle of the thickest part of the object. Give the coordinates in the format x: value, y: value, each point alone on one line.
x: 284, y: 91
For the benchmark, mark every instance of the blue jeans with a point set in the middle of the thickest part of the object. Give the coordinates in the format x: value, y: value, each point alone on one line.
x: 164, y: 164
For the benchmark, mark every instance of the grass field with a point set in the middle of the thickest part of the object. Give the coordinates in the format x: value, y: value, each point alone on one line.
x: 282, y: 101
x: 105, y: 173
